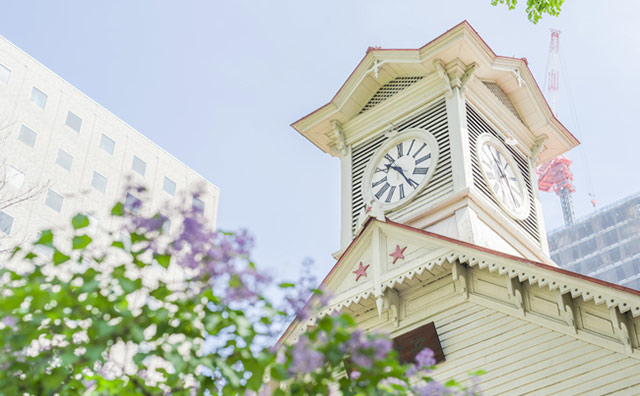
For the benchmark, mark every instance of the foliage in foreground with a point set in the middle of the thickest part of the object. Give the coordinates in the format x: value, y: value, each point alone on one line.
x: 535, y: 8
x: 140, y: 311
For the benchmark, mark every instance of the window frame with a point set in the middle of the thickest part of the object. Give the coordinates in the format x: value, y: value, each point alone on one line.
x: 100, y: 177
x: 53, y: 194
x: 105, y: 137
x: 66, y: 121
x: 143, y: 162
x: 58, y: 157
x: 25, y: 128
x: 35, y: 90
x: 174, y: 184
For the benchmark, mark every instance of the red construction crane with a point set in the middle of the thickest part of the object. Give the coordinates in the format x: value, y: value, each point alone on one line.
x: 556, y: 174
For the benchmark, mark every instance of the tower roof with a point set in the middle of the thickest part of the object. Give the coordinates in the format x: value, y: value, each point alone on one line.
x: 380, y: 66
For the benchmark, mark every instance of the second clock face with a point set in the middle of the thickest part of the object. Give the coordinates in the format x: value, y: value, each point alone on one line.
x: 401, y: 169
x: 503, y: 176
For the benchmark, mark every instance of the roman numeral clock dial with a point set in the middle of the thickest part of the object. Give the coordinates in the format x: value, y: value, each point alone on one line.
x: 503, y: 176
x: 401, y: 168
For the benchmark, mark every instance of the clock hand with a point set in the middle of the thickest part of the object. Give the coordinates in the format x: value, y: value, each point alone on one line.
x: 401, y: 171
x: 495, y: 161
x: 511, y: 192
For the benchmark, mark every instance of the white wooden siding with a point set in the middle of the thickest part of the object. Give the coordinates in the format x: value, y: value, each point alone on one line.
x: 521, y: 357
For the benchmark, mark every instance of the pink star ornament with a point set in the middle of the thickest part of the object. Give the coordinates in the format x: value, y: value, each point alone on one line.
x: 361, y: 271
x: 398, y: 253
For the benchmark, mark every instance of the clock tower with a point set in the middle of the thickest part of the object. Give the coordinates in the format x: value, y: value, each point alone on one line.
x: 444, y: 138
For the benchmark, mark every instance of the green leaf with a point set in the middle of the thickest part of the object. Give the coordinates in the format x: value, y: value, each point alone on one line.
x: 160, y: 293
x: 286, y: 285
x: 163, y: 259
x: 118, y: 209
x: 235, y: 281
x: 15, y: 251
x: 135, y: 237
x: 130, y: 286
x: 452, y: 384
x: 79, y: 221
x: 138, y: 358
x: 46, y: 238
x: 81, y: 242
x: 59, y: 257
x: 68, y: 358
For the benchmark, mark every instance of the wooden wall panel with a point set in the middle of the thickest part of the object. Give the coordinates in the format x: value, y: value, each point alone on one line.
x: 521, y: 357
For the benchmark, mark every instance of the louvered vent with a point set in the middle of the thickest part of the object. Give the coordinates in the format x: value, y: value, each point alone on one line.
x: 477, y: 126
x: 434, y: 119
x: 503, y: 97
x: 389, y: 89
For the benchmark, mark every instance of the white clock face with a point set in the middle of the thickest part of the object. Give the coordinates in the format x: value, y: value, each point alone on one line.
x: 503, y: 176
x: 401, y: 168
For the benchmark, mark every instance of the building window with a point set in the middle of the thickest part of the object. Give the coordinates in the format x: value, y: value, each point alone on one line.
x: 54, y: 200
x: 14, y: 177
x: 132, y: 203
x: 125, y: 238
x: 5, y: 73
x: 107, y: 144
x: 169, y: 186
x: 43, y: 250
x: 198, y: 206
x: 166, y: 226
x: 74, y: 122
x: 38, y: 98
x: 64, y: 159
x: 6, y: 222
x: 27, y: 136
x: 139, y: 165
x: 99, y: 182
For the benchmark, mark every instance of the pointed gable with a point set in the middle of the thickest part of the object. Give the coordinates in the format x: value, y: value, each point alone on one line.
x: 531, y: 327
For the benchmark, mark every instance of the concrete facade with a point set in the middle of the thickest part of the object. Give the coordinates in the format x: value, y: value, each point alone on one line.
x: 604, y: 245
x: 58, y: 140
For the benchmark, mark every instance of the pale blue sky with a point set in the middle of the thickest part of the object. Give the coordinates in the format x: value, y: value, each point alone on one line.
x: 218, y: 83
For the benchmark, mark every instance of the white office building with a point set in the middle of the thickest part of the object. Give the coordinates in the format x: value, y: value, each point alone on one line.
x: 78, y: 155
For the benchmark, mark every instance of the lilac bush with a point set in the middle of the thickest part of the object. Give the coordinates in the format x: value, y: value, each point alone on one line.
x: 142, y: 310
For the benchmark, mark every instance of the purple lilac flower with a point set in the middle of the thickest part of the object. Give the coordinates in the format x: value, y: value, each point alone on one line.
x: 361, y: 360
x: 474, y: 389
x: 425, y: 358
x: 364, y: 347
x: 381, y: 347
x: 217, y: 257
x: 9, y: 321
x: 355, y: 374
x: 305, y: 359
x: 431, y: 388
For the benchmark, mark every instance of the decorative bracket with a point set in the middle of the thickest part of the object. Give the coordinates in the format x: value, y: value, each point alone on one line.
x: 376, y: 68
x: 338, y: 145
x: 621, y: 328
x: 389, y: 301
x: 459, y: 274
x: 443, y: 76
x: 565, y: 303
x: 468, y: 73
x: 537, y: 147
x: 514, y: 288
x: 393, y: 304
x: 521, y: 82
